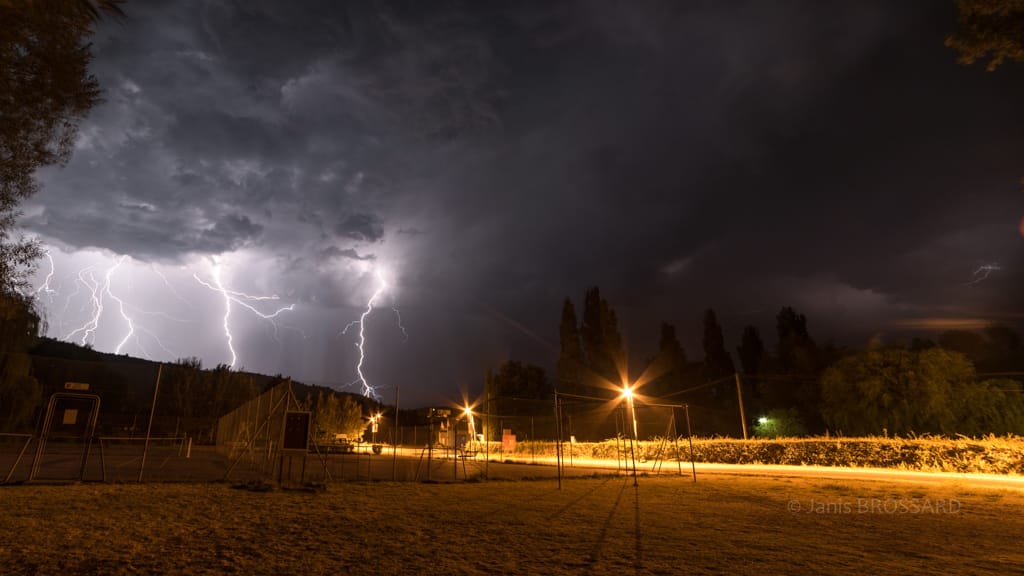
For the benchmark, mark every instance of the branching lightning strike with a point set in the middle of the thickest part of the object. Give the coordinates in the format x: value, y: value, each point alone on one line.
x: 983, y: 272
x: 170, y: 286
x: 45, y: 287
x: 98, y: 292
x: 242, y: 299
x: 405, y: 335
x: 367, y: 389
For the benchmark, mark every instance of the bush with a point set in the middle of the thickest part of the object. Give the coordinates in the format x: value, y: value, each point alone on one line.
x: 989, y: 455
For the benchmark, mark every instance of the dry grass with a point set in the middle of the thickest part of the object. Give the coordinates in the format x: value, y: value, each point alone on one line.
x: 723, y: 524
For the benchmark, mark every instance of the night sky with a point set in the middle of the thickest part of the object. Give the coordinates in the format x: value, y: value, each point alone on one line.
x: 488, y: 160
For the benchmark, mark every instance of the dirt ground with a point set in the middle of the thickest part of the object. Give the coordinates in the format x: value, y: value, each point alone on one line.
x: 601, y: 525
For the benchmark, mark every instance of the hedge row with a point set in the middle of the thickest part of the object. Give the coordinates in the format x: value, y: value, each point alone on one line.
x: 989, y: 455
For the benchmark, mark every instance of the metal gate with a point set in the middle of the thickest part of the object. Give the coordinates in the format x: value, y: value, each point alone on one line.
x: 65, y: 438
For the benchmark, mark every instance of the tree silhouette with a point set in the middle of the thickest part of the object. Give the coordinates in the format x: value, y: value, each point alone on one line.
x: 518, y: 390
x: 992, y: 29
x: 800, y: 361
x: 45, y: 91
x: 20, y: 393
x: 670, y: 364
x: 717, y: 361
x: 602, y: 342
x: 750, y: 350
x: 570, y: 357
x: 332, y: 416
x: 896, y: 391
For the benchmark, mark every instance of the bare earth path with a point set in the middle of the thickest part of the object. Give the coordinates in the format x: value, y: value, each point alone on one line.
x: 666, y: 525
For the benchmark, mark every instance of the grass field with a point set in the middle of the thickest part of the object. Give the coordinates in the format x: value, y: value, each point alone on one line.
x: 603, y: 525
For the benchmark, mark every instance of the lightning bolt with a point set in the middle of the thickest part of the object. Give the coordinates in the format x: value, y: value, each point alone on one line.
x: 100, y: 295
x: 227, y: 312
x: 170, y: 286
x: 120, y: 307
x: 86, y: 279
x: 243, y: 300
x: 405, y: 335
x: 45, y: 286
x: 983, y: 272
x: 369, y: 390
x: 98, y: 292
x: 67, y: 301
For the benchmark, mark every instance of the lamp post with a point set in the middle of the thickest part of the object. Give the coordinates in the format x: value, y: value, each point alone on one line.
x: 374, y: 420
x: 627, y: 393
x: 472, y: 424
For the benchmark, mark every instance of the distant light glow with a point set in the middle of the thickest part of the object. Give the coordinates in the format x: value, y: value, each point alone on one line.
x: 940, y: 324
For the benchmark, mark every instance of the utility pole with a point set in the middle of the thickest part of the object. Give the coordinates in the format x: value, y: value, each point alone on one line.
x: 394, y: 442
x: 739, y: 394
x: 149, y: 427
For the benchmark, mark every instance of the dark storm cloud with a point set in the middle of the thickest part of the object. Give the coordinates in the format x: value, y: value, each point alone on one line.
x: 503, y: 156
x: 361, y: 227
x: 229, y: 233
x: 335, y: 252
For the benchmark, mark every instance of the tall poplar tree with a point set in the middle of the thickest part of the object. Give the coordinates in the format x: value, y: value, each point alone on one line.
x: 570, y: 357
x: 602, y: 342
x: 717, y: 361
x: 46, y: 90
x: 670, y: 365
x: 750, y: 350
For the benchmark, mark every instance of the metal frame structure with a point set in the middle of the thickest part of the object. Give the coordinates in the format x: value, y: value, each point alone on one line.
x: 44, y: 433
x: 559, y: 428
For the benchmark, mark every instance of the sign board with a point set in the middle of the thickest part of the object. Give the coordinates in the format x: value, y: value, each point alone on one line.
x: 296, y: 431
x: 70, y: 417
x: 508, y: 440
x: 76, y: 386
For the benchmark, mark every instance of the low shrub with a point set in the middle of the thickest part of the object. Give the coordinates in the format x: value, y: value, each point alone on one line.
x: 989, y: 455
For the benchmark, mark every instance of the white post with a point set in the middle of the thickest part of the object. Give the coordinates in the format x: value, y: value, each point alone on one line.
x: 149, y: 427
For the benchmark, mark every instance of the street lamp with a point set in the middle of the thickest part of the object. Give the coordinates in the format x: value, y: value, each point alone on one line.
x: 627, y: 393
x: 468, y: 412
x: 373, y: 426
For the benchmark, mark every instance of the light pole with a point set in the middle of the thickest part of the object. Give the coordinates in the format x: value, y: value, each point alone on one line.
x: 468, y: 411
x: 627, y: 393
x: 374, y: 420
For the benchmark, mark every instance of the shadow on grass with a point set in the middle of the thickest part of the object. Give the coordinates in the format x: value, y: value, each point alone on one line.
x: 581, y: 498
x: 595, y: 552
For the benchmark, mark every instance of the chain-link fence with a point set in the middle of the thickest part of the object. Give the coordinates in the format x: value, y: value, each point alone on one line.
x: 130, y: 421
